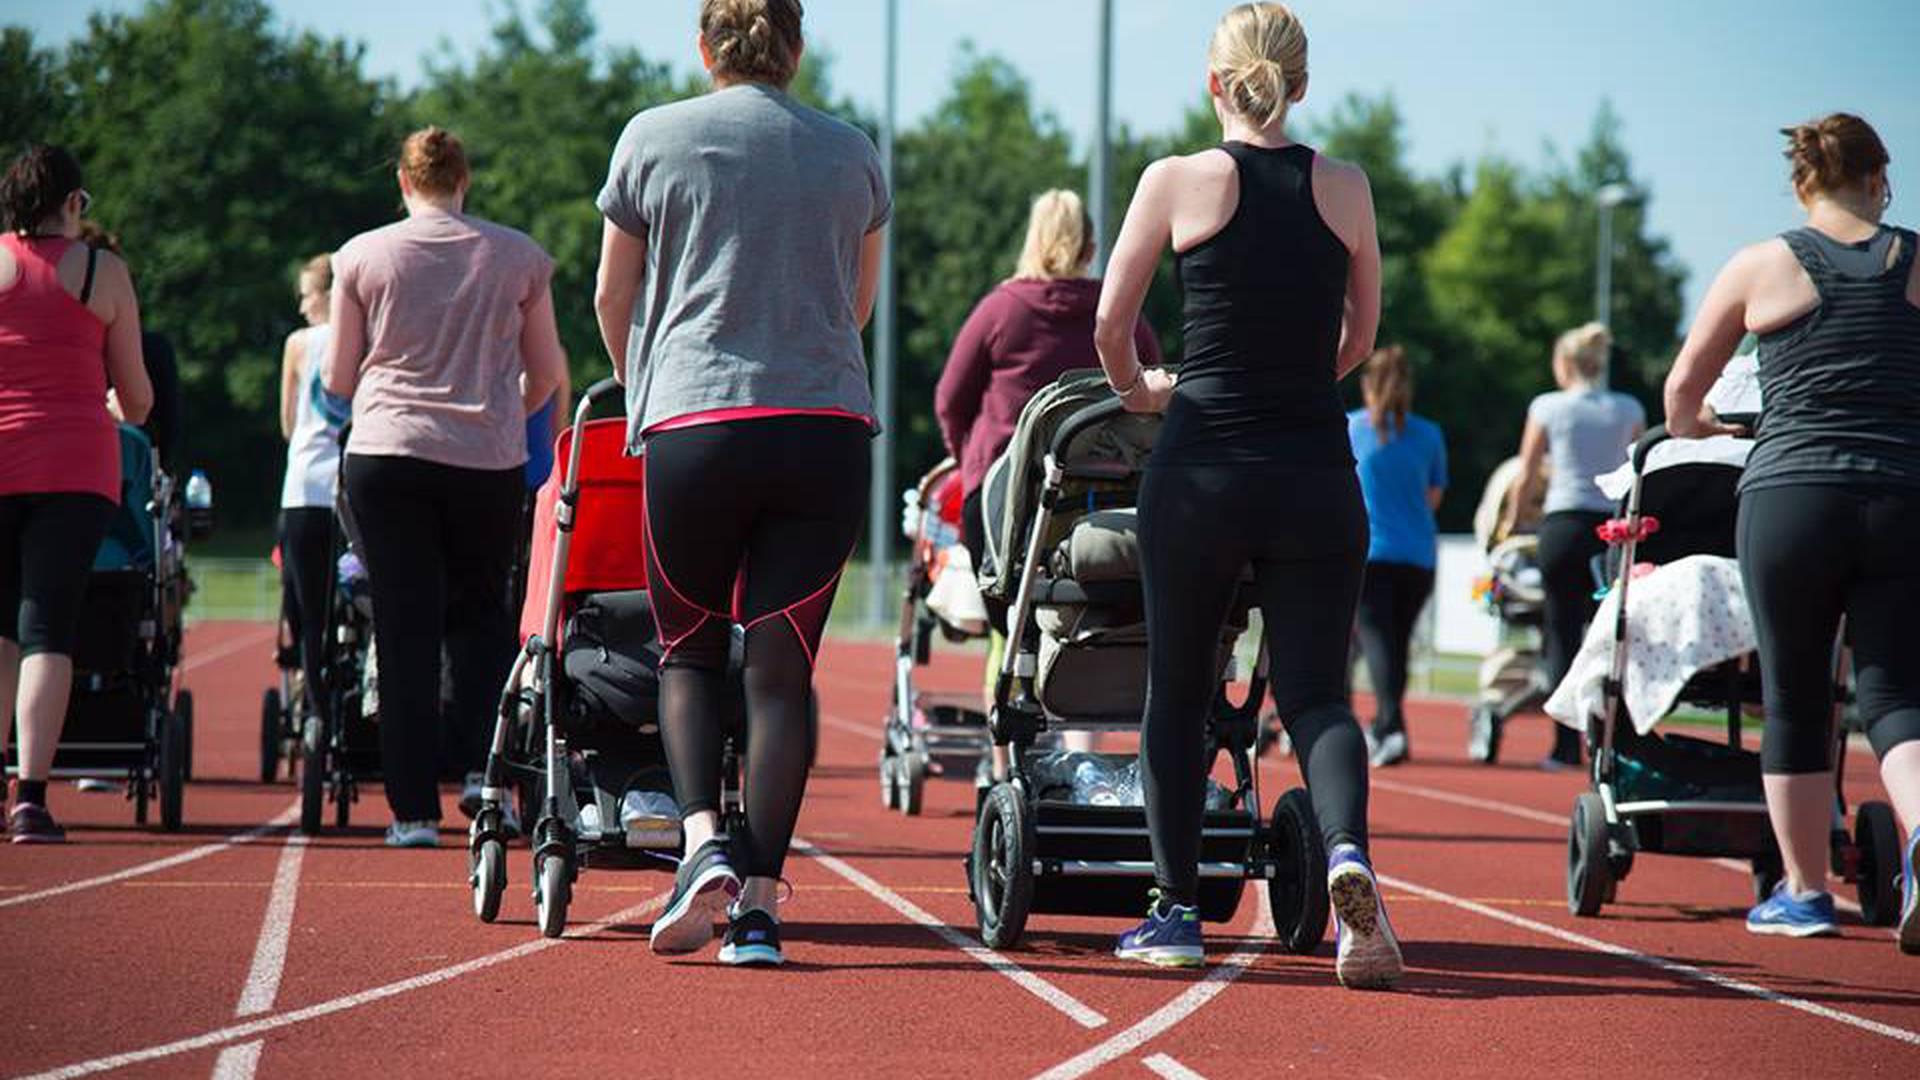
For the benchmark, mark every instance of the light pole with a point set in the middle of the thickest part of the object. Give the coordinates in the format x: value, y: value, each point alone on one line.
x: 880, y: 517
x: 1606, y: 199
x: 1099, y: 176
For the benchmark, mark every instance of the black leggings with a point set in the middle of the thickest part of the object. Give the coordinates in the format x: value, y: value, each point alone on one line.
x: 1390, y: 602
x: 1808, y: 555
x: 1568, y: 545
x: 748, y: 523
x: 306, y: 554
x: 1304, y: 531
x: 47, y: 546
x: 439, y: 543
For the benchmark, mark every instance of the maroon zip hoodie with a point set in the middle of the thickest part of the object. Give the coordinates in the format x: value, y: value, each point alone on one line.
x: 1022, y: 336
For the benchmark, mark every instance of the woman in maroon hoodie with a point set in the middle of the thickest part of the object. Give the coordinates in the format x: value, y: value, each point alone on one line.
x: 1027, y: 332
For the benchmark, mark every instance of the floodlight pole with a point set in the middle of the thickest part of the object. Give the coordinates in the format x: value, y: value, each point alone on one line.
x: 880, y: 516
x: 1607, y: 198
x: 1099, y: 182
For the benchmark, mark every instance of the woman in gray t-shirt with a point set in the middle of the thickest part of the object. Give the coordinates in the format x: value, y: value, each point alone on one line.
x: 738, y: 266
x: 1579, y: 432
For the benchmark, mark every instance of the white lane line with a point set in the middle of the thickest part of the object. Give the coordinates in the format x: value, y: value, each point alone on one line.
x: 1075, y: 1010
x: 1469, y: 801
x: 221, y: 652
x: 281, y: 820
x: 1162, y: 1065
x: 1156, y: 1023
x: 269, y: 961
x: 1659, y: 963
x: 254, y: 1028
x: 870, y: 732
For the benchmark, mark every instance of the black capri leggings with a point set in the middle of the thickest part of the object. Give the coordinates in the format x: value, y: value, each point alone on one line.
x: 1304, y: 531
x: 47, y: 546
x: 1568, y: 546
x: 1808, y: 555
x: 749, y: 523
x: 306, y: 553
x: 439, y: 542
x: 1390, y: 602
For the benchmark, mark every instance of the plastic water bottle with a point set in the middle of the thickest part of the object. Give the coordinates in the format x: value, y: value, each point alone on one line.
x: 199, y: 503
x: 1093, y: 783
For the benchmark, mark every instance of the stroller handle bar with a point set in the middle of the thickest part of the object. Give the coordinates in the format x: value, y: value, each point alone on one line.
x: 1077, y: 424
x: 1643, y: 446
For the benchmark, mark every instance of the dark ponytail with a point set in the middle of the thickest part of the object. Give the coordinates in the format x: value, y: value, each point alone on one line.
x: 35, y: 185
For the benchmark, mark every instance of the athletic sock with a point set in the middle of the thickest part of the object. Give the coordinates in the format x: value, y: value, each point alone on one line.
x: 30, y: 791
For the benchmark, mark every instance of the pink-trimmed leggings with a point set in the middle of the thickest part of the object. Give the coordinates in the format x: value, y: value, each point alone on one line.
x: 749, y: 522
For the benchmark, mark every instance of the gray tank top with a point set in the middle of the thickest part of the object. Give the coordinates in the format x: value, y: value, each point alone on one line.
x: 1841, y: 384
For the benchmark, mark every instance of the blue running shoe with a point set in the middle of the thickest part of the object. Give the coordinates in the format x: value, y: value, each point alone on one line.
x: 1910, y: 898
x: 1783, y: 913
x: 1170, y: 937
x: 702, y: 888
x: 1366, y: 954
x: 752, y: 939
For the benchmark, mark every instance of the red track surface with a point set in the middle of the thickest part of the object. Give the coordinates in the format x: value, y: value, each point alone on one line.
x: 1503, y: 981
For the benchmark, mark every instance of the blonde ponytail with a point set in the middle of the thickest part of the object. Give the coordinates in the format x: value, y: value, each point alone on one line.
x: 1059, y: 240
x: 1259, y: 56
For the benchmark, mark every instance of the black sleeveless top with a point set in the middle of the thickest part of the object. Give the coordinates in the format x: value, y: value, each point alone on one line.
x: 1840, y: 386
x: 1264, y: 301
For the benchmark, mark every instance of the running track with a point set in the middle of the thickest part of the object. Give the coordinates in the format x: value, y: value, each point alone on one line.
x: 233, y: 950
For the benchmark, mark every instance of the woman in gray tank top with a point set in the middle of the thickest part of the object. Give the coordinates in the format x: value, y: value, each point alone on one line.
x: 1830, y: 503
x: 1577, y: 432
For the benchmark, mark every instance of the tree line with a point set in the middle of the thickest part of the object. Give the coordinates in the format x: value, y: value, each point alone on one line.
x: 224, y: 148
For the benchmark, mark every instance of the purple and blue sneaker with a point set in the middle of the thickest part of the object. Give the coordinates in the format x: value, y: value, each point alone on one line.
x: 1366, y: 956
x: 1783, y: 913
x: 1170, y: 936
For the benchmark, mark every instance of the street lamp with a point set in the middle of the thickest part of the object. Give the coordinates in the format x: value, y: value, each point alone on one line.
x: 1099, y: 179
x: 880, y: 517
x: 1606, y: 198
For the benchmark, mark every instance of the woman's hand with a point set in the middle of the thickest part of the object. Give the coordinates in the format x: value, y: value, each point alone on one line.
x: 1704, y: 424
x: 1151, y: 393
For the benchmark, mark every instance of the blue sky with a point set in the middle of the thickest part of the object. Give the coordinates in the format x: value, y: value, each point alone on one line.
x: 1701, y: 85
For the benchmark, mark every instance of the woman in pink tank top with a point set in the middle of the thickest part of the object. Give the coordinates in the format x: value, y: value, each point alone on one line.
x: 68, y: 323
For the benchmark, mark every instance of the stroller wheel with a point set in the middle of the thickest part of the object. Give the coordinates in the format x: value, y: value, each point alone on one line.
x: 1768, y: 872
x: 1297, y: 893
x: 552, y: 893
x: 1483, y: 735
x: 911, y: 768
x: 313, y: 775
x: 183, y: 704
x: 173, y: 768
x: 1589, y: 874
x: 889, y: 788
x: 1001, y: 867
x: 271, y: 734
x: 1877, y: 836
x: 487, y: 874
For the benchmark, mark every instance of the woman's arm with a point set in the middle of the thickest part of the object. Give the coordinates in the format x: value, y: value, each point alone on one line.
x: 1146, y: 232
x: 623, y: 264
x: 871, y: 249
x: 1533, y: 451
x: 962, y: 389
x: 542, y: 358
x: 130, y: 387
x: 1362, y: 318
x: 1716, y: 332
x: 348, y: 348
x: 290, y: 358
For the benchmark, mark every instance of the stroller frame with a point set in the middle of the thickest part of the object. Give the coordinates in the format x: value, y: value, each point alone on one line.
x: 543, y: 767
x: 1030, y: 854
x: 1606, y: 832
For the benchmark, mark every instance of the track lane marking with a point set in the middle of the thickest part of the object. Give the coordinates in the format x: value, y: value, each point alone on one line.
x: 1074, y: 1009
x: 269, y: 961
x: 1659, y: 963
x: 1190, y: 1001
x: 1164, y: 1066
x: 251, y: 1029
x: 280, y: 821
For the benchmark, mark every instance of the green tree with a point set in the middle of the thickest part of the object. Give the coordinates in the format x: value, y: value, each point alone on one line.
x: 32, y: 100
x: 223, y: 151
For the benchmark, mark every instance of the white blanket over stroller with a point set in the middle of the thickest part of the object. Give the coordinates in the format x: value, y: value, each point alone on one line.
x: 1683, y: 618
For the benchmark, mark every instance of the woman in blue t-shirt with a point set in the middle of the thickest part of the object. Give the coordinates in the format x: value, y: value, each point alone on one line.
x: 1402, y: 460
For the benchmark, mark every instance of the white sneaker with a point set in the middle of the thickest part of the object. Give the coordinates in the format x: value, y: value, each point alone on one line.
x: 1367, y: 956
x: 413, y: 834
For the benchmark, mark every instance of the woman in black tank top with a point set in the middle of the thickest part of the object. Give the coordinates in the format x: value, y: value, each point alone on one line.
x: 1830, y: 502
x: 1279, y: 262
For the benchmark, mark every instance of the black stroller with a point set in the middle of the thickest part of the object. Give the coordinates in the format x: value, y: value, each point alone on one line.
x: 1677, y: 794
x: 1067, y: 557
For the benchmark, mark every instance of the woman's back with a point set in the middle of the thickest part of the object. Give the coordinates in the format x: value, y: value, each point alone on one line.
x: 753, y: 208
x: 1588, y: 431
x: 55, y: 432
x: 444, y: 296
x: 1398, y: 473
x: 1264, y: 303
x: 1841, y: 384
